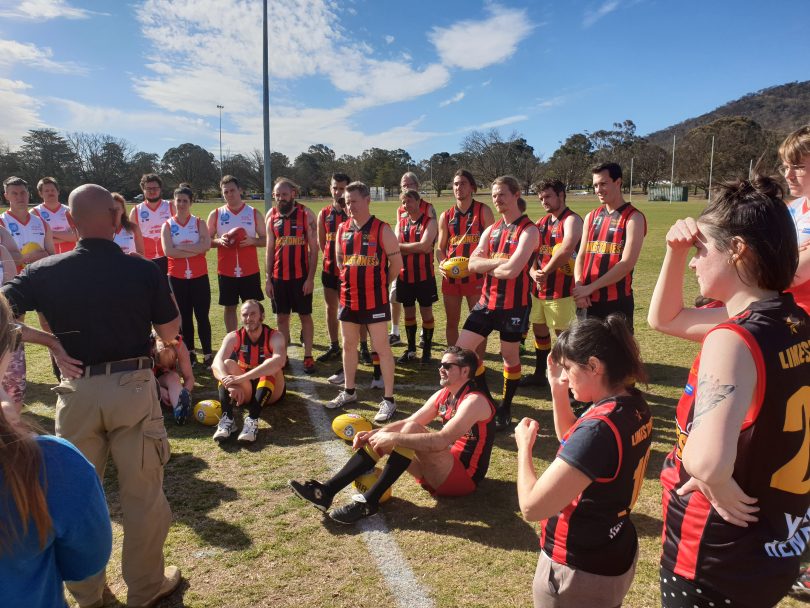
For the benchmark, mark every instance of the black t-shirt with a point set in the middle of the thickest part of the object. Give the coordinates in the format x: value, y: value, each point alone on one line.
x: 99, y: 302
x: 610, y: 443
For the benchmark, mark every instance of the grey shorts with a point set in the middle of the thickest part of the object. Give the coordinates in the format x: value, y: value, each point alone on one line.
x: 560, y: 586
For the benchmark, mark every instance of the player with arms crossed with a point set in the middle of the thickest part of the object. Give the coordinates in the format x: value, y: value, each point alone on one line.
x: 450, y: 462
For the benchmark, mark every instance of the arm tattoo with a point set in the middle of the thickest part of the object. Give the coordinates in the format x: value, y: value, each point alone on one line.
x: 710, y: 394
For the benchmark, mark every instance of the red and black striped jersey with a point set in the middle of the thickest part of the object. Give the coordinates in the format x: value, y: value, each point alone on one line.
x: 424, y: 207
x: 560, y: 281
x: 755, y: 565
x: 610, y: 443
x: 248, y: 354
x: 507, y: 294
x: 474, y: 448
x: 607, y: 237
x: 331, y: 217
x: 416, y: 267
x: 364, y: 275
x: 464, y: 230
x: 291, y: 254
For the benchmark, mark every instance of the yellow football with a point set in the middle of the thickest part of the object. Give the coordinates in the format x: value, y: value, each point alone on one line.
x: 30, y: 248
x: 346, y: 426
x: 208, y: 412
x: 456, y: 268
x: 568, y: 267
x: 366, y: 480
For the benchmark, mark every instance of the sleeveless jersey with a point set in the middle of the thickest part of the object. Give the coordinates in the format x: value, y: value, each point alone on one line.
x: 30, y: 231
x: 124, y: 239
x: 416, y: 267
x: 800, y: 212
x: 594, y: 532
x: 607, y: 237
x: 236, y: 261
x: 474, y: 448
x: 331, y: 218
x: 560, y: 281
x: 424, y: 207
x: 291, y: 255
x: 507, y: 294
x: 464, y: 230
x: 754, y: 566
x: 186, y: 234
x: 248, y: 354
x: 151, y: 221
x: 364, y: 275
x: 58, y: 221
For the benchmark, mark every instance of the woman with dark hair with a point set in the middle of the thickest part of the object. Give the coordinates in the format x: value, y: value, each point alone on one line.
x: 128, y: 236
x: 735, y: 486
x: 54, y: 523
x: 589, y: 545
x: 185, y: 239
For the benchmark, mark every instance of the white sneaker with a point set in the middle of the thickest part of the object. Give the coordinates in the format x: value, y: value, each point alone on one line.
x: 386, y: 412
x: 342, y: 399
x: 337, y: 378
x: 377, y: 383
x: 225, y: 428
x: 249, y: 430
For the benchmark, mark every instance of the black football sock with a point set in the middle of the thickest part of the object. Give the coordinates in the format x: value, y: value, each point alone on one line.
x: 360, y: 462
x: 398, y: 462
x: 542, y: 347
x: 375, y: 362
x: 226, y: 401
x: 410, y: 332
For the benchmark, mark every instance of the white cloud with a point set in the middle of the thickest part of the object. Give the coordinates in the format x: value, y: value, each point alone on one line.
x: 389, y: 39
x: 42, y: 9
x: 31, y: 56
x: 454, y: 99
x: 494, y: 124
x: 592, y: 16
x: 19, y: 111
x: 472, y: 45
x: 486, y: 83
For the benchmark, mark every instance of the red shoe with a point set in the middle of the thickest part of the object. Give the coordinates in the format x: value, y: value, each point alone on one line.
x: 309, y: 365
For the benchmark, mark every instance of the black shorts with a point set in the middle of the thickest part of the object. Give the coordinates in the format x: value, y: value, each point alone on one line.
x: 423, y: 292
x: 330, y: 281
x: 600, y: 310
x: 511, y: 324
x: 232, y: 289
x: 381, y: 314
x: 288, y: 296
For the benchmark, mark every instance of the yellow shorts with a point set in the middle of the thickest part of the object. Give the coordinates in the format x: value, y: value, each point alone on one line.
x: 556, y: 314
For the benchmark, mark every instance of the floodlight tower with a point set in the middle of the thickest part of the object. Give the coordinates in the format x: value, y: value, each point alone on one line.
x: 268, y: 182
x: 219, y: 107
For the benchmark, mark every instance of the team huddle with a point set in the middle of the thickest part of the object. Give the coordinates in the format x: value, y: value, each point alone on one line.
x: 736, y: 495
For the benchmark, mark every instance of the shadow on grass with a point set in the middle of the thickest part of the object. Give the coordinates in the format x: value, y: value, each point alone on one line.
x: 490, y: 516
x: 667, y: 375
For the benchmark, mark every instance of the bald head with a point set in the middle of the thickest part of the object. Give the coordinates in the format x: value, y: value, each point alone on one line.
x: 94, y: 211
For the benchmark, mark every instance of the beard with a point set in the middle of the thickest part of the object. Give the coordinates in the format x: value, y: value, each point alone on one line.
x: 285, y: 207
x: 153, y: 200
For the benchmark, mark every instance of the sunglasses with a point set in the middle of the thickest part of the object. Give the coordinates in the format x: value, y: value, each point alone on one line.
x: 447, y: 366
x: 16, y: 336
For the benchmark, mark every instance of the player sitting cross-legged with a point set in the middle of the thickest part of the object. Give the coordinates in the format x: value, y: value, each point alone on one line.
x: 450, y: 462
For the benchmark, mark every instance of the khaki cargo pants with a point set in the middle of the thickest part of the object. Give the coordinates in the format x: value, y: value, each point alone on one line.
x: 119, y: 414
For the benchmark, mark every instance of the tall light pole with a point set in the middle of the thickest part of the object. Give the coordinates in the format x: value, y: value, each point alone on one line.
x: 268, y: 180
x: 220, y: 139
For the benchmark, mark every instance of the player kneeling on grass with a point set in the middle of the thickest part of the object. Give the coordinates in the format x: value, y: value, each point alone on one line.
x: 174, y: 375
x: 589, y: 545
x: 450, y: 462
x: 249, y: 367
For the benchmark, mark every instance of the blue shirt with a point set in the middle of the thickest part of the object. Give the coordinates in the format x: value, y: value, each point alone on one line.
x: 80, y: 541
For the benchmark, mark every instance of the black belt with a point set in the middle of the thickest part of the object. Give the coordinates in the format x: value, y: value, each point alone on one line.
x: 114, y: 367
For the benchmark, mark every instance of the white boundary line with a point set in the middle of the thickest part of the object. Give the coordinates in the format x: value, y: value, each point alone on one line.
x: 408, y: 592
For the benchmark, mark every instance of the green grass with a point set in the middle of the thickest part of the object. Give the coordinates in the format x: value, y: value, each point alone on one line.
x: 242, y: 539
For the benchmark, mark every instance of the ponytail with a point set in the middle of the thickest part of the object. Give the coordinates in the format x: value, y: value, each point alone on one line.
x: 610, y: 341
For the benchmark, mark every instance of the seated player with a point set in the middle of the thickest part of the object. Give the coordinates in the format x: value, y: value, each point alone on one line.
x: 249, y: 367
x: 174, y: 375
x: 450, y: 462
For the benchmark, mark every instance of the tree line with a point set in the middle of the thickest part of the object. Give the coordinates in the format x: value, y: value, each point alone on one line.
x: 76, y: 158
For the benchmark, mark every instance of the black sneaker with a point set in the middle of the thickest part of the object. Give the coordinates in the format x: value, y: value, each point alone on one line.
x: 353, y: 511
x: 365, y: 355
x: 407, y: 356
x: 533, y: 380
x: 503, y: 419
x: 332, y: 353
x: 394, y: 340
x: 426, y: 359
x: 312, y: 491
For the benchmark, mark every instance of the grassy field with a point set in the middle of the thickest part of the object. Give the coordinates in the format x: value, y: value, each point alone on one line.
x: 242, y: 539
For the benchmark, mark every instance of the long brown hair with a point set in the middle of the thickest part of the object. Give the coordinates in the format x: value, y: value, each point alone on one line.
x: 119, y: 199
x: 21, y: 462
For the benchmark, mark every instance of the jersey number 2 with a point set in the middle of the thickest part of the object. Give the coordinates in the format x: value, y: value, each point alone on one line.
x: 792, y: 477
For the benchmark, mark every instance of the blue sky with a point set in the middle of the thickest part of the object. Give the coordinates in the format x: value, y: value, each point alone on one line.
x: 356, y: 74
